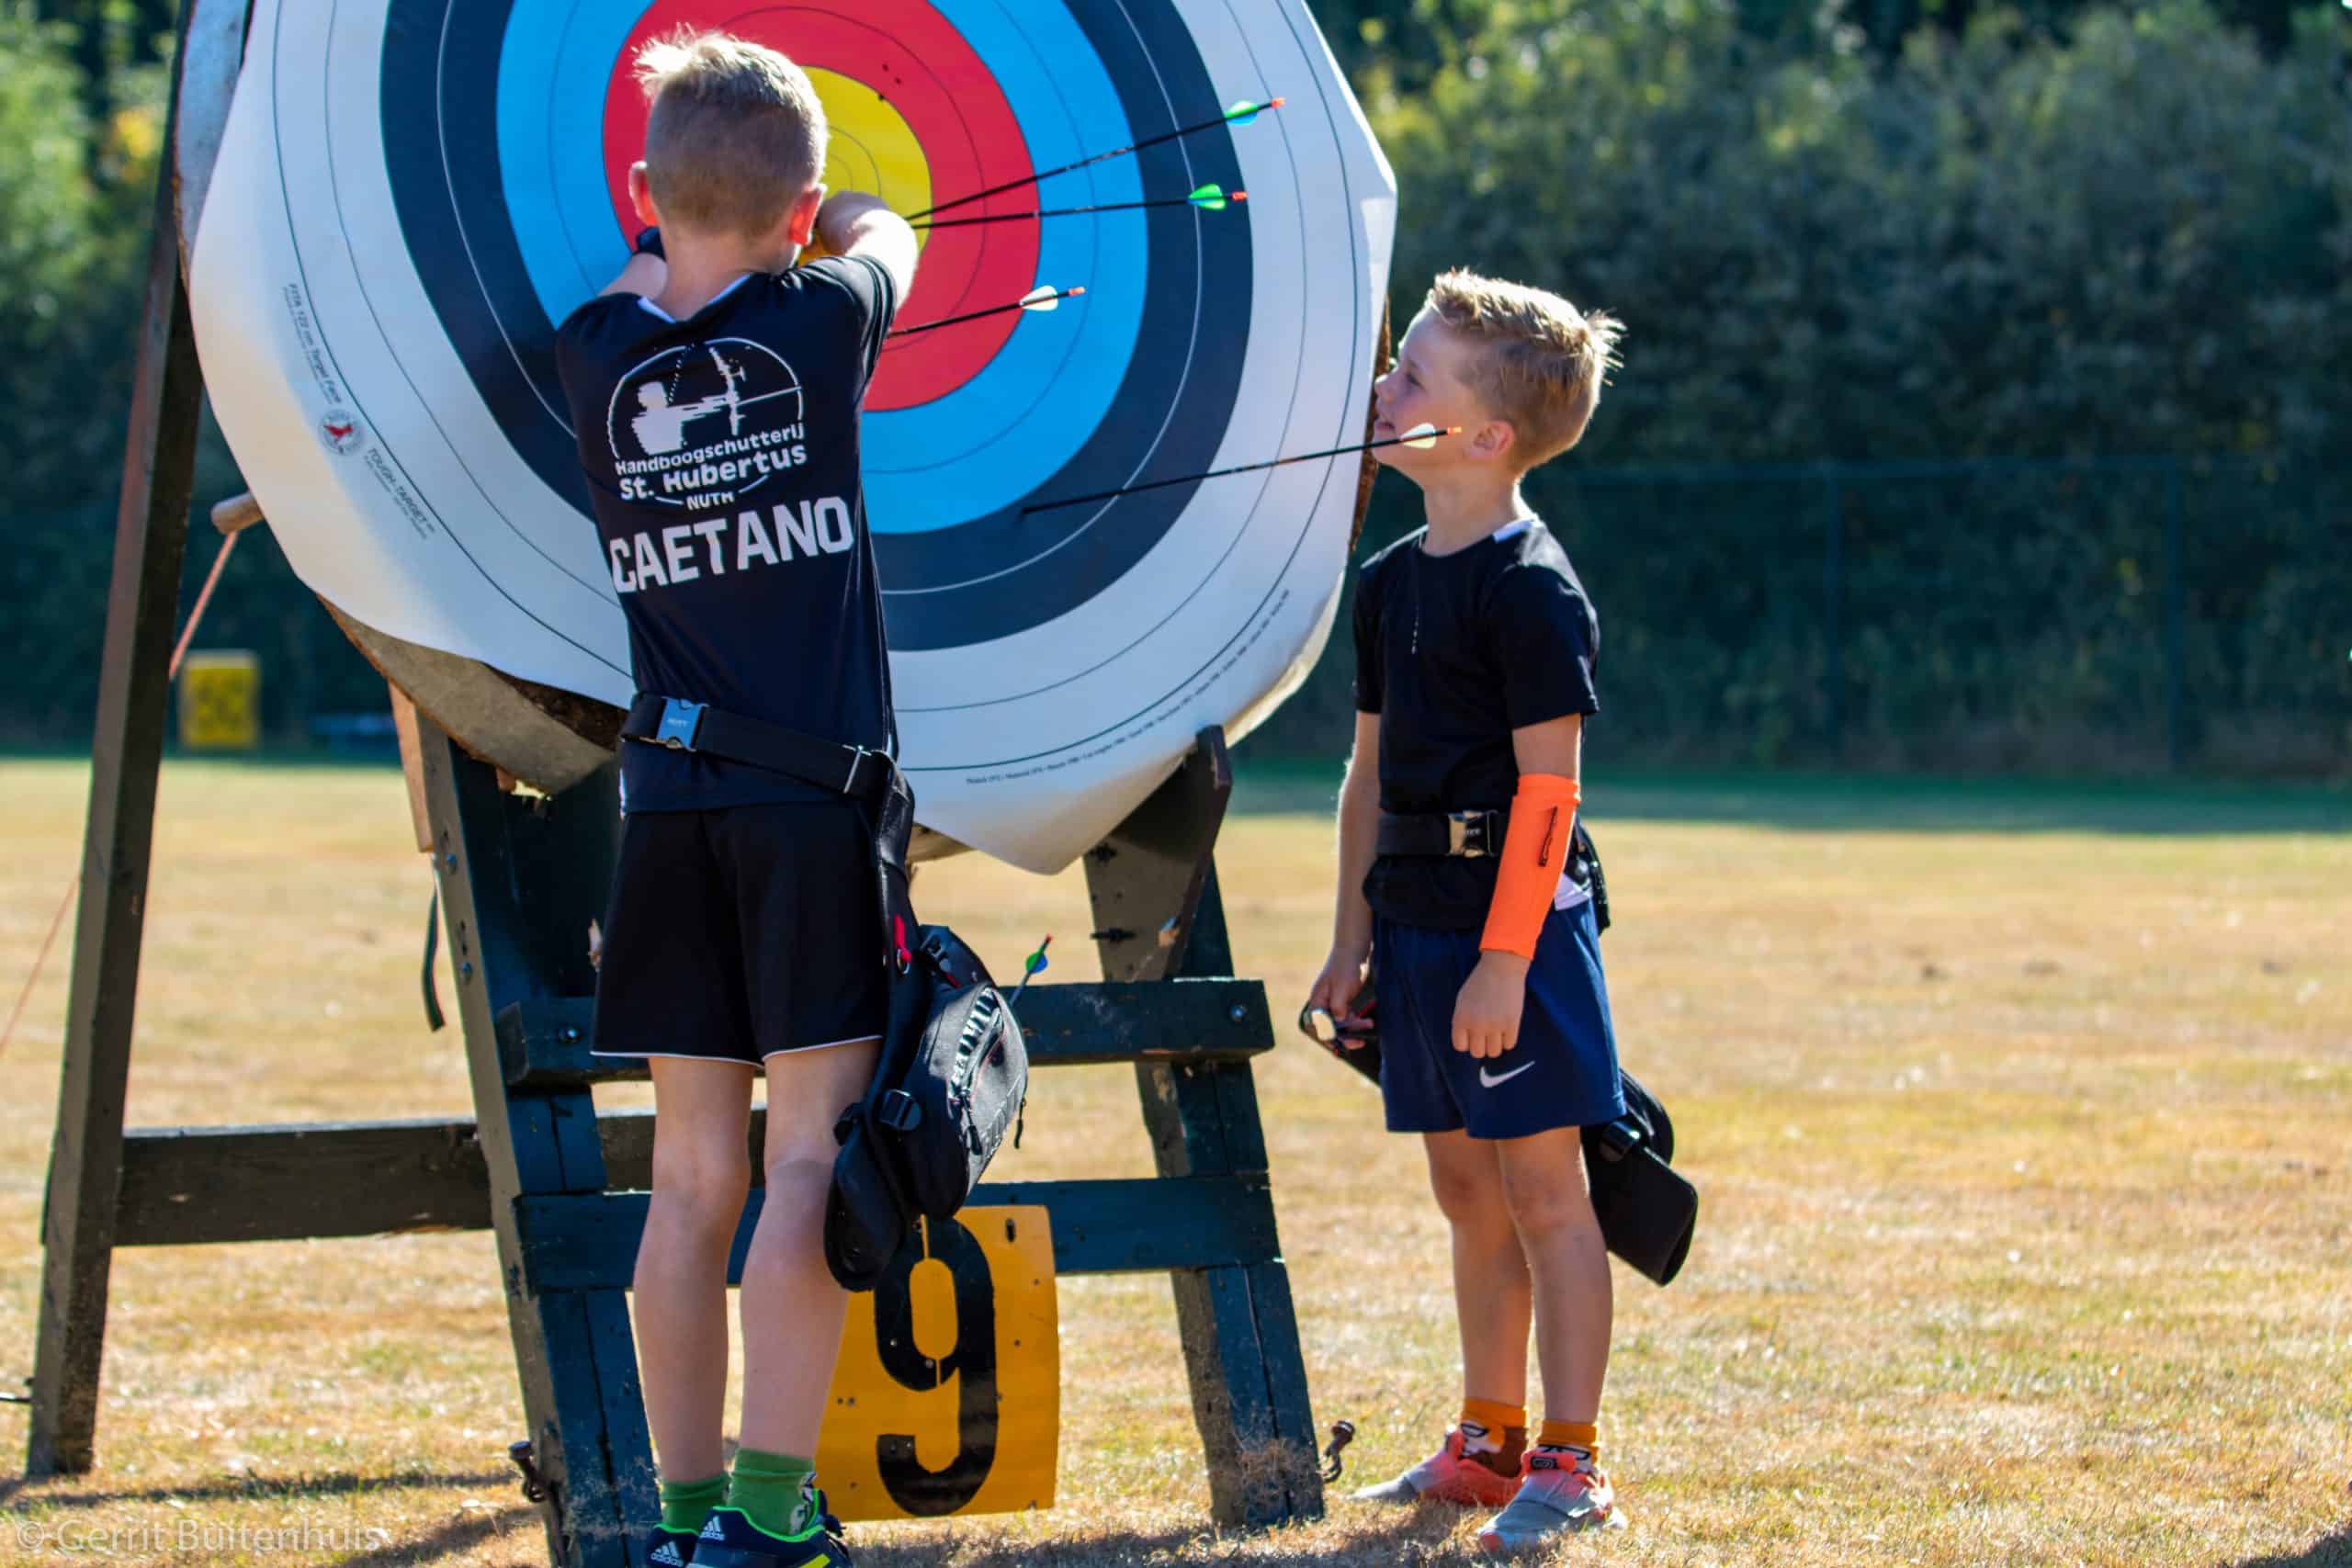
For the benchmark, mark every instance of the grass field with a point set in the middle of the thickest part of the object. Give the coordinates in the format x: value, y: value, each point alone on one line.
x: 2019, y: 1116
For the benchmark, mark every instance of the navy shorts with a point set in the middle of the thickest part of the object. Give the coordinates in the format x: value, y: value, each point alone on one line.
x: 736, y: 933
x: 1563, y: 1072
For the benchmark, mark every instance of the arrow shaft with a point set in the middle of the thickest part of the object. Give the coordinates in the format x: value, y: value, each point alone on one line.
x: 977, y: 315
x: 1211, y: 474
x: 1052, y: 212
x: 1026, y: 180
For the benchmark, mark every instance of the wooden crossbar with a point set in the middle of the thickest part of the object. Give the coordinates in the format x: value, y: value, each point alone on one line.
x: 192, y: 1186
x: 588, y: 1241
x: 543, y: 1045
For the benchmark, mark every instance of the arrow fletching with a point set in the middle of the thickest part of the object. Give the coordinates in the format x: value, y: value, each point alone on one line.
x: 1031, y: 967
x: 1421, y: 437
x: 1212, y: 199
x: 1047, y: 299
x: 1247, y: 113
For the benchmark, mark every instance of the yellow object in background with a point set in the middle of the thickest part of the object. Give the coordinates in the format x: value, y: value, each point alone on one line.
x: 220, y: 700
x: 948, y: 1397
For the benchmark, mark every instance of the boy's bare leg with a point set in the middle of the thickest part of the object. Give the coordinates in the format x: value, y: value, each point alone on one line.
x: 1491, y: 1285
x: 1478, y: 1465
x: 1543, y: 1184
x: 702, y: 1173
x: 792, y: 1308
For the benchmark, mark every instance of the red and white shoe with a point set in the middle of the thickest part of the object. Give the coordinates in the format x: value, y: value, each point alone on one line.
x: 1448, y: 1475
x: 1563, y: 1494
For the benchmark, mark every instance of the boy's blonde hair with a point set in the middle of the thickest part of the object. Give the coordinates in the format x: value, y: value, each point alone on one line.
x: 736, y: 134
x: 1540, y: 362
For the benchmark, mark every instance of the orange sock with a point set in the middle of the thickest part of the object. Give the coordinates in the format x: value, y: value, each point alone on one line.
x: 1493, y: 1415
x: 1571, y: 1435
x: 1502, y: 1434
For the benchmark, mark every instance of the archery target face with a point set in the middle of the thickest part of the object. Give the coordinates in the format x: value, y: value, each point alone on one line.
x: 412, y: 193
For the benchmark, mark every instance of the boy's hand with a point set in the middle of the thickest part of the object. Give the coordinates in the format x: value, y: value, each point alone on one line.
x: 1335, y: 988
x: 1486, y: 1015
x: 850, y: 222
x: 840, y: 214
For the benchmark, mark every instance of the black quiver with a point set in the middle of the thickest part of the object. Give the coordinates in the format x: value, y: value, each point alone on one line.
x: 948, y: 1087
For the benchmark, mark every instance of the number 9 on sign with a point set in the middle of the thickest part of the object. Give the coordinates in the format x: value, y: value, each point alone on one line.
x: 948, y: 1397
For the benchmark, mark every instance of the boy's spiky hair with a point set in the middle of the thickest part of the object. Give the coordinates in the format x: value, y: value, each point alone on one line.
x: 1541, y: 361
x: 736, y: 133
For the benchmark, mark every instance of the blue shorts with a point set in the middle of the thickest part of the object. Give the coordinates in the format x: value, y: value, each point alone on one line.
x: 1563, y: 1072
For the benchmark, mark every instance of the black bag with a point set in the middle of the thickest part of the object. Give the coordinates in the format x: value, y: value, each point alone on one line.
x: 950, y: 1087
x: 1648, y: 1211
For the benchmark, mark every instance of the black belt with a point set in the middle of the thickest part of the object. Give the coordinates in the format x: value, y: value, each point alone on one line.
x: 1472, y: 833
x: 1478, y: 835
x: 681, y: 726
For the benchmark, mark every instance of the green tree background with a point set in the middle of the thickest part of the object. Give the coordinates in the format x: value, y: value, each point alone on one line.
x: 1859, y: 231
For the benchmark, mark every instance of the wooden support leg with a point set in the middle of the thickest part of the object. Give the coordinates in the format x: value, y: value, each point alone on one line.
x: 1153, y: 887
x: 520, y: 881
x: 151, y: 535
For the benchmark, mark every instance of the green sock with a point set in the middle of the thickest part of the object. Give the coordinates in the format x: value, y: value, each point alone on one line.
x: 686, y: 1504
x: 771, y: 1490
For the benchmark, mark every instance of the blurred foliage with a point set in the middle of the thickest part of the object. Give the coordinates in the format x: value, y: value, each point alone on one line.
x: 2134, y: 241
x: 75, y: 193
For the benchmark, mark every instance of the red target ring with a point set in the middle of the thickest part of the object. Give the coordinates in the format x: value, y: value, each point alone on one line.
x: 916, y: 61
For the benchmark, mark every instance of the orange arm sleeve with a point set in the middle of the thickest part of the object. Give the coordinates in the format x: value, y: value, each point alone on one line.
x: 1535, y: 851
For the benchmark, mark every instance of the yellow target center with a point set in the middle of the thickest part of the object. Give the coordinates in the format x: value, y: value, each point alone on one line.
x: 873, y: 148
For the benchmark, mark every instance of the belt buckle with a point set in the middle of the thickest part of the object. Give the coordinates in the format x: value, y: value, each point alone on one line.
x: 681, y: 722
x: 861, y: 756
x: 1459, y: 839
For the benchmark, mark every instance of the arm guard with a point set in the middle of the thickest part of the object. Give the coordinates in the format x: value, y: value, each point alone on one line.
x: 1535, y: 851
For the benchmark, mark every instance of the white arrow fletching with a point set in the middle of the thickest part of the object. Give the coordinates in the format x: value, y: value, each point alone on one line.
x: 1042, y: 300
x: 1420, y: 438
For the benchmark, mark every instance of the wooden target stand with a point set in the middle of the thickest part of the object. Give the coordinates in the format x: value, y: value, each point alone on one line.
x: 520, y: 878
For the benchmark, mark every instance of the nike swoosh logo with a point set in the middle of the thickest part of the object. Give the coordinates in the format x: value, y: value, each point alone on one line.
x: 1490, y: 1080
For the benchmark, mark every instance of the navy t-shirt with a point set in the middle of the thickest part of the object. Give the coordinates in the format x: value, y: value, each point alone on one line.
x: 1453, y: 653
x: 721, y: 453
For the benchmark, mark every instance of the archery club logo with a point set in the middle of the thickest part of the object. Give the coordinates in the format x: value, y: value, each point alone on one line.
x: 706, y: 425
x: 341, y: 429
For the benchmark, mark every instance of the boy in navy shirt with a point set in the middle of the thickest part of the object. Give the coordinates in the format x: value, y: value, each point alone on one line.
x: 1474, y: 654
x: 715, y: 390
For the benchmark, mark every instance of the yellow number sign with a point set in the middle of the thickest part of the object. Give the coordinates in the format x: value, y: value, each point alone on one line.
x: 947, y: 1399
x: 220, y: 702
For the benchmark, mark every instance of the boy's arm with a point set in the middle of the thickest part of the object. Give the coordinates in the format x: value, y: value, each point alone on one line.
x: 646, y: 274
x: 1335, y: 989
x: 853, y: 223
x: 1359, y: 838
x: 1555, y: 747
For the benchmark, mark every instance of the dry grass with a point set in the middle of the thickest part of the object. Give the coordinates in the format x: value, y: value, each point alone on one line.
x: 2023, y: 1155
